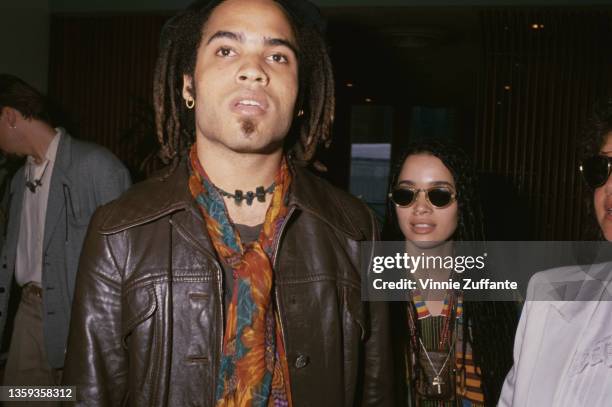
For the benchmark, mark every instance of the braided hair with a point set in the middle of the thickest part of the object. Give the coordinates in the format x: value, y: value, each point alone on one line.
x: 179, y: 44
x: 469, y: 222
x: 489, y: 326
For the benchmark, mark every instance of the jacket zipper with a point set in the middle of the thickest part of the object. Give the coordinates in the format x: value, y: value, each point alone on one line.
x: 280, y: 236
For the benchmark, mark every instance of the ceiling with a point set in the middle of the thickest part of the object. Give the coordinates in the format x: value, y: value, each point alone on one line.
x: 401, y: 56
x: 78, y: 6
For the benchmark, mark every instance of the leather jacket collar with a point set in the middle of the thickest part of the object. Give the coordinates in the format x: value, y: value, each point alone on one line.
x: 174, y: 196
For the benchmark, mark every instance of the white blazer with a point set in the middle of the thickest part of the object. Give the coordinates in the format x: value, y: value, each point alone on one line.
x: 563, y: 344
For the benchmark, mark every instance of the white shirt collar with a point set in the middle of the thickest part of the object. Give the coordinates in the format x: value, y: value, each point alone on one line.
x: 51, y: 149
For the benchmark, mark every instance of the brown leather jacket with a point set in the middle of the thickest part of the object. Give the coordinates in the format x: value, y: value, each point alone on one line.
x: 148, y: 313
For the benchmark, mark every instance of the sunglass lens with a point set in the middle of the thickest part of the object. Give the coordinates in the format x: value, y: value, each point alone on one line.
x: 440, y: 197
x: 402, y: 197
x: 595, y: 171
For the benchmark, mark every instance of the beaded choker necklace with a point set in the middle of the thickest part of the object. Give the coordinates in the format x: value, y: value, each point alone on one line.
x: 248, y: 196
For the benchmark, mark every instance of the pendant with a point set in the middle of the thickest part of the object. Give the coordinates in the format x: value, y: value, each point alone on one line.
x: 437, y: 382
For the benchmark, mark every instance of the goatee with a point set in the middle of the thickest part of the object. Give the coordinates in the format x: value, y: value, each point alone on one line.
x: 248, y: 127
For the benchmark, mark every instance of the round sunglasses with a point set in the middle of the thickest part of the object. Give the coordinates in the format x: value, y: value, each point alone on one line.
x: 596, y: 170
x: 439, y: 197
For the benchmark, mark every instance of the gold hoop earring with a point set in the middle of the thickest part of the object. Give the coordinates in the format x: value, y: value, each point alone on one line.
x: 190, y: 103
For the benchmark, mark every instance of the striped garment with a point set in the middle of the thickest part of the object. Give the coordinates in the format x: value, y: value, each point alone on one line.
x: 469, y: 386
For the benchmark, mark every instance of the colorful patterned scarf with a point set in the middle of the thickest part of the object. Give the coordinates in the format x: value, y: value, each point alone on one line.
x: 254, y: 370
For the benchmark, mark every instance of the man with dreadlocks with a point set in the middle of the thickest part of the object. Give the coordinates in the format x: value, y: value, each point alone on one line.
x: 232, y: 279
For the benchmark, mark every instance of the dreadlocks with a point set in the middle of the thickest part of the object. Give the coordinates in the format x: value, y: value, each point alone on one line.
x: 489, y: 326
x: 179, y: 44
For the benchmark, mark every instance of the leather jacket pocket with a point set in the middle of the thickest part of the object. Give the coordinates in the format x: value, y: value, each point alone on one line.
x: 140, y: 305
x: 354, y: 307
x: 354, y: 335
x: 140, y: 337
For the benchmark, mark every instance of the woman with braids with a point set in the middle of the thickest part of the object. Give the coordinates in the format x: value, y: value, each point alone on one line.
x: 232, y: 280
x: 563, y: 346
x: 448, y: 352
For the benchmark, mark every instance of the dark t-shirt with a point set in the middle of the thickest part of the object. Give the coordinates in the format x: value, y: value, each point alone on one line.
x: 247, y: 234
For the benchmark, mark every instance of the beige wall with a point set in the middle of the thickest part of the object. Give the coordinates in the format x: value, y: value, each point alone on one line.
x: 24, y: 40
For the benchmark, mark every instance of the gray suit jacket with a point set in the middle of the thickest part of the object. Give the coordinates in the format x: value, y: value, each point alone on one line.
x: 566, y: 318
x: 84, y: 177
